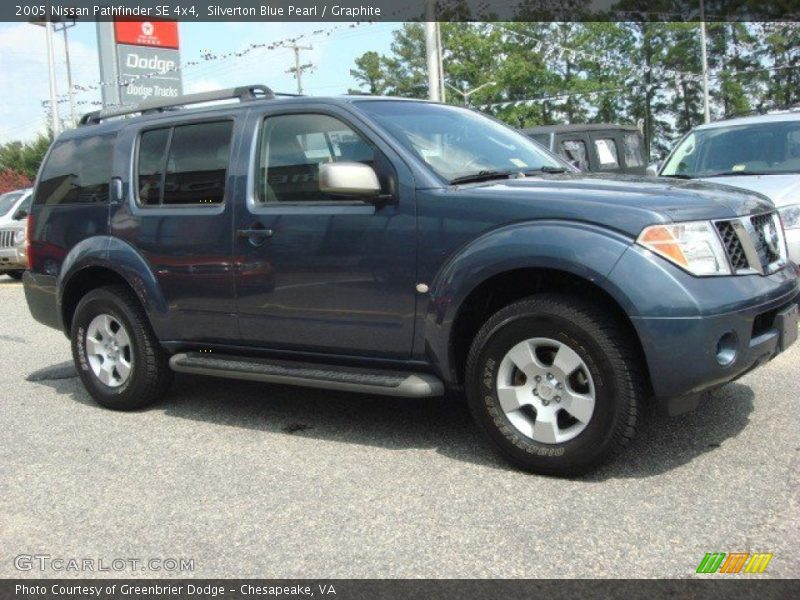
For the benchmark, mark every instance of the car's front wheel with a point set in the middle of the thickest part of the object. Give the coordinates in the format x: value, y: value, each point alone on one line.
x: 116, y: 352
x: 554, y: 382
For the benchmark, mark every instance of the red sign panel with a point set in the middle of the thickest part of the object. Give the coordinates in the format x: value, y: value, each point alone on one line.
x: 160, y: 34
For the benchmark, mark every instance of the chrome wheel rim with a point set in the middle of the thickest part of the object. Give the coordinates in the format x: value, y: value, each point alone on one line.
x: 546, y: 390
x: 109, y: 351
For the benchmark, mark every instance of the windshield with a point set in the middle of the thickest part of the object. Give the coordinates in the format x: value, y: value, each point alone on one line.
x: 755, y: 149
x: 7, y: 201
x: 457, y: 142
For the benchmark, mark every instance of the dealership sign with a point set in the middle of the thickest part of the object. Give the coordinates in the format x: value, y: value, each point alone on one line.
x: 143, y: 58
x: 148, y: 60
x: 162, y: 34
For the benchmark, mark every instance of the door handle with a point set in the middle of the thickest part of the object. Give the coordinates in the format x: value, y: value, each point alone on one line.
x: 256, y: 236
x: 250, y: 233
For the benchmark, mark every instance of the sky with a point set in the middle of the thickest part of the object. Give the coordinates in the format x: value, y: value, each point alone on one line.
x: 24, y: 76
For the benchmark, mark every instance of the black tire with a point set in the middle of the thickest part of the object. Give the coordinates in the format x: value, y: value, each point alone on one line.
x: 605, y: 346
x: 16, y: 275
x: 150, y: 375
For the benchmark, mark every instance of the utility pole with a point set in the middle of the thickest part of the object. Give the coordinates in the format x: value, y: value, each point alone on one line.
x: 70, y: 92
x: 433, y: 52
x: 51, y: 68
x: 704, y: 53
x: 298, y: 68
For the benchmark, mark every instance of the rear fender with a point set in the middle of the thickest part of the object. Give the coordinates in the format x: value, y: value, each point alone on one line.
x: 121, y: 258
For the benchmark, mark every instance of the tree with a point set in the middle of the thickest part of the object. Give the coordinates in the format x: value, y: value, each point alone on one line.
x: 370, y: 72
x: 24, y: 157
x: 11, y: 180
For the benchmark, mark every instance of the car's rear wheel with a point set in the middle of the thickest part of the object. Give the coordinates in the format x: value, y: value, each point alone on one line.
x: 15, y: 274
x: 116, y: 352
x: 554, y: 382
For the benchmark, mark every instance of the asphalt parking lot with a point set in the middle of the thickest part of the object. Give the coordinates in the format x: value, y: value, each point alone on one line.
x: 254, y: 480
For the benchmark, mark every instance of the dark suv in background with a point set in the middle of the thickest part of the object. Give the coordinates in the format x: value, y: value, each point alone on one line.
x: 595, y: 147
x: 403, y: 248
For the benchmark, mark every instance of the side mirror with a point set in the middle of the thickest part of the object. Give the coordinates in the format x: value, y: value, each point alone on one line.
x: 653, y: 169
x: 349, y: 179
x: 20, y: 214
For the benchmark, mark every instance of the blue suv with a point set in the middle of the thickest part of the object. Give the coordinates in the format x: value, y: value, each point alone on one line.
x: 403, y: 248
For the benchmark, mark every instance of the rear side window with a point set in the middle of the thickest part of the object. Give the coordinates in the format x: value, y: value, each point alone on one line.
x: 575, y: 152
x: 632, y: 144
x: 606, y: 153
x: 184, y: 165
x: 77, y: 172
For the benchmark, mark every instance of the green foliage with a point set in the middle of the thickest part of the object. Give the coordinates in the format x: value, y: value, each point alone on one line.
x: 24, y: 157
x: 644, y: 73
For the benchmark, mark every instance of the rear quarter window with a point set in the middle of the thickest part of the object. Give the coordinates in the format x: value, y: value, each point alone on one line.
x: 77, y: 171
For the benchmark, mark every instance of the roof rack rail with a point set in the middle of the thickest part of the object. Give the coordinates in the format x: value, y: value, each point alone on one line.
x: 243, y: 93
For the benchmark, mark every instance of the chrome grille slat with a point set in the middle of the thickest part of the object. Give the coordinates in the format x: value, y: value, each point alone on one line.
x: 747, y: 245
x: 6, y: 238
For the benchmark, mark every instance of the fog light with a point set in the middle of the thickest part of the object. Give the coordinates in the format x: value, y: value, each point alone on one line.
x: 726, y: 349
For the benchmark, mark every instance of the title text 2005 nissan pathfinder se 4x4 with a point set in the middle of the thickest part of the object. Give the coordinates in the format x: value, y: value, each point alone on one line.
x: 403, y: 248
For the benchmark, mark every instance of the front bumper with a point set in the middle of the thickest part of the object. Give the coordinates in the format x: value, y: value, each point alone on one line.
x: 700, y: 333
x: 13, y: 259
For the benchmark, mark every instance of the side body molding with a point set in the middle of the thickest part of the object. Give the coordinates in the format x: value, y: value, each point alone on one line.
x: 580, y: 249
x: 120, y: 257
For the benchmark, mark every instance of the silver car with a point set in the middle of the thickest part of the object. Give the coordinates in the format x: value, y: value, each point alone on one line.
x: 14, y: 208
x: 759, y: 153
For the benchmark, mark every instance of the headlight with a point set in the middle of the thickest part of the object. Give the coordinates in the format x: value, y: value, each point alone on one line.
x: 695, y: 246
x: 790, y: 215
x: 19, y: 237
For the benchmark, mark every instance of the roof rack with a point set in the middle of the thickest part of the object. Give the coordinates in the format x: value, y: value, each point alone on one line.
x: 243, y: 93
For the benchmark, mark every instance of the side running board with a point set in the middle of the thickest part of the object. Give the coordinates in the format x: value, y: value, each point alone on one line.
x: 331, y: 377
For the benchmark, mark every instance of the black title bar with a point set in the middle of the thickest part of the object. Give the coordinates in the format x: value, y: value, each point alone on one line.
x: 399, y: 10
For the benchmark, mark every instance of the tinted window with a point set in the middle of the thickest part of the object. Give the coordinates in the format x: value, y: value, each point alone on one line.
x: 606, y: 153
x: 575, y: 152
x: 542, y: 138
x: 77, y: 171
x: 186, y: 164
x: 293, y: 147
x: 152, y: 159
x: 632, y: 145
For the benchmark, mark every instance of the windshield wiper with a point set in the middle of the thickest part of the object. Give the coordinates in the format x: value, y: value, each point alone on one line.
x: 484, y: 175
x: 545, y: 169
x: 488, y: 174
x: 738, y: 173
x: 678, y: 176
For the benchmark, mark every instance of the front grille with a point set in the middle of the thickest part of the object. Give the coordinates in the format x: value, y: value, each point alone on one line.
x: 753, y: 244
x: 761, y: 224
x: 6, y: 239
x: 733, y: 245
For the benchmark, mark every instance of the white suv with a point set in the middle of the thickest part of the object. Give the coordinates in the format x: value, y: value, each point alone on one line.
x: 14, y: 207
x: 759, y: 153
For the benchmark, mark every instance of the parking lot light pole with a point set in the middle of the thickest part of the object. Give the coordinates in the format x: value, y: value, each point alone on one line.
x: 704, y: 55
x: 51, y: 67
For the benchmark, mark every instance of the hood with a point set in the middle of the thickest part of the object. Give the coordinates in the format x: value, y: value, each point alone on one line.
x: 626, y: 203
x: 783, y: 189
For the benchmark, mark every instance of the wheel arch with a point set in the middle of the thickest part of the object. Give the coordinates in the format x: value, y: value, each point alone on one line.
x: 512, y: 263
x: 102, y: 261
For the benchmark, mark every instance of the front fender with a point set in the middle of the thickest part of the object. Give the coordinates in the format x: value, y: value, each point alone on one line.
x: 580, y: 249
x: 121, y: 258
